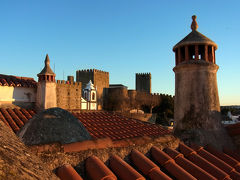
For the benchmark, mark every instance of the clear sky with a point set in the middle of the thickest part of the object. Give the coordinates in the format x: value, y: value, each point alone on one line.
x: 122, y: 37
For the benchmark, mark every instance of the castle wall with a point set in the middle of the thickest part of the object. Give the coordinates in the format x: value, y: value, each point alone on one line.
x: 143, y: 82
x: 100, y: 79
x: 21, y: 96
x: 68, y: 95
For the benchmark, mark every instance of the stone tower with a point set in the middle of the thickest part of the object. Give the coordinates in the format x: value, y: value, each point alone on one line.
x: 46, y: 87
x: 99, y: 78
x: 143, y: 82
x: 196, y: 104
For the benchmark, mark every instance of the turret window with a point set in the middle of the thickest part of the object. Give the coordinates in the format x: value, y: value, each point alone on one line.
x: 93, y: 96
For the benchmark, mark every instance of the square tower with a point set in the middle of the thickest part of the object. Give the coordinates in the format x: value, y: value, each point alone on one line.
x: 143, y: 82
x: 99, y: 78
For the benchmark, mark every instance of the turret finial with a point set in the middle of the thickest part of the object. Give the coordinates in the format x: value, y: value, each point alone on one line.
x: 47, y: 61
x: 194, y: 24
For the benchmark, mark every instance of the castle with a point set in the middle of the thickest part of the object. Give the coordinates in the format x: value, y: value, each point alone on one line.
x: 90, y: 91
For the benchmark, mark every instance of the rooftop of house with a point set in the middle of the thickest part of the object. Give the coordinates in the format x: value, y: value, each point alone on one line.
x: 185, y: 162
x: 15, y: 81
x: 117, y: 127
x: 126, y: 148
x: 99, y: 124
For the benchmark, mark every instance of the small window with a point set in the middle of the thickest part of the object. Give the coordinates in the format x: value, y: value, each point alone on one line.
x: 93, y: 96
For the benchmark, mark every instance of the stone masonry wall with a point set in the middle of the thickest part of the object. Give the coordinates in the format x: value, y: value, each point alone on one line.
x: 68, y: 95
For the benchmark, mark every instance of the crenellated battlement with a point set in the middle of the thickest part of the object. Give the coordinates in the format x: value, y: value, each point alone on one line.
x: 92, y: 70
x: 63, y: 82
x: 144, y: 74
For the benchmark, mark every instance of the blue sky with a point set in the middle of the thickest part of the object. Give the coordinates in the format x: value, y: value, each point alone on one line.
x: 122, y: 37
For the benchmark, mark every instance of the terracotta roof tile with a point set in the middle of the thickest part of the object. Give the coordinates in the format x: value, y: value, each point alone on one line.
x: 15, y: 118
x: 193, y: 169
x: 233, y: 129
x: 232, y: 153
x: 117, y: 127
x: 26, y: 113
x: 217, y: 162
x: 67, y: 172
x: 123, y: 170
x: 4, y: 120
x: 15, y: 81
x: 226, y: 158
x: 96, y: 169
x: 173, y: 164
x: 202, y: 163
x: 169, y: 164
x: 20, y: 115
x: 146, y: 166
x: 10, y: 120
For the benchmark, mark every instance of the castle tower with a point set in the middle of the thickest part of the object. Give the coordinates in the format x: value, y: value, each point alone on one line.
x: 143, y: 82
x: 46, y: 88
x: 196, y: 103
x: 99, y: 78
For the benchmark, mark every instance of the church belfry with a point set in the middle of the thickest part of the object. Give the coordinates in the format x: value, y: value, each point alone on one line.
x: 46, y: 88
x: 196, y: 104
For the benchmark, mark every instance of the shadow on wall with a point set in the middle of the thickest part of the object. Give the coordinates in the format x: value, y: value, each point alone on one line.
x: 24, y: 97
x: 203, y: 130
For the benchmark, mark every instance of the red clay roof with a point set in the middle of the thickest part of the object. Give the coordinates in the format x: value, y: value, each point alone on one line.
x: 99, y: 124
x: 184, y: 163
x: 233, y: 129
x: 117, y: 127
x: 15, y: 118
x: 15, y: 81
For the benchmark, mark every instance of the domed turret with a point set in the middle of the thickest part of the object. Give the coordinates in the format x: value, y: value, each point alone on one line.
x: 196, y: 104
x: 195, y: 46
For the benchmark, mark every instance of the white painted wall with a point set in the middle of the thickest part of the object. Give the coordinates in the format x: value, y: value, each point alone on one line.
x: 83, y: 104
x: 93, y: 106
x: 17, y: 94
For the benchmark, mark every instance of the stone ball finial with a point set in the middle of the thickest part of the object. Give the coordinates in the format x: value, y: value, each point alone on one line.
x: 194, y: 24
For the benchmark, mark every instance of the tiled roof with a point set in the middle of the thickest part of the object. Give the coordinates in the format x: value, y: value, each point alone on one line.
x: 194, y: 37
x: 183, y: 163
x: 233, y: 129
x: 117, y: 126
x: 15, y: 118
x: 15, y: 81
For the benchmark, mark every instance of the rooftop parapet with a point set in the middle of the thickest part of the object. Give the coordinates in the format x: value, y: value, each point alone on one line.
x: 92, y: 70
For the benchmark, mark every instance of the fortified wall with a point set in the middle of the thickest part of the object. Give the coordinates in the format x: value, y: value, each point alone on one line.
x: 99, y: 78
x: 121, y: 99
x: 68, y: 94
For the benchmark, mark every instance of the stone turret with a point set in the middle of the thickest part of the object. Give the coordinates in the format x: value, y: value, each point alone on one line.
x: 197, y: 110
x: 46, y: 88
